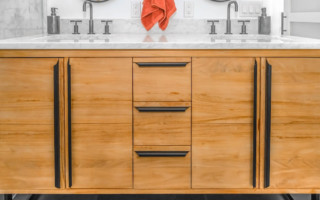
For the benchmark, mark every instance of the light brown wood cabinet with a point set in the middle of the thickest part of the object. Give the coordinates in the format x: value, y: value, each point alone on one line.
x: 158, y: 122
x: 295, y: 123
x: 28, y: 123
x: 101, y: 123
x: 222, y: 121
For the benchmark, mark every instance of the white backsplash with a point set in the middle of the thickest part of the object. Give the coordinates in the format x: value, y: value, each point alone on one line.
x: 178, y: 26
x: 21, y: 18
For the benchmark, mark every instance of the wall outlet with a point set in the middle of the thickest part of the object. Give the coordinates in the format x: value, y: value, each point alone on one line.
x: 135, y: 8
x: 188, y: 8
x: 250, y: 8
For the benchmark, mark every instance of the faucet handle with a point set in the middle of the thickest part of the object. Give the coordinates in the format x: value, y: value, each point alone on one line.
x: 244, y: 26
x: 106, y: 28
x: 213, y: 26
x: 76, y: 27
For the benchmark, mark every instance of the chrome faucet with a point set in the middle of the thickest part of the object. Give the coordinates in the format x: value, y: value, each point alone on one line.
x: 229, y: 20
x: 91, y: 23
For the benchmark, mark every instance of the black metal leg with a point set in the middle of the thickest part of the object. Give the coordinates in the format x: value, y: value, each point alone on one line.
x: 288, y: 197
x: 315, y: 197
x: 7, y: 197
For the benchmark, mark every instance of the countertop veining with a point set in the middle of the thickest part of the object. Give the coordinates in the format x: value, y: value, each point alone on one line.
x: 159, y: 41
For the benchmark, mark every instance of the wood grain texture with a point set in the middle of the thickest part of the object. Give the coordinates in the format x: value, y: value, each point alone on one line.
x: 262, y: 121
x: 295, y: 90
x: 162, y: 128
x: 165, y: 191
x: 27, y: 157
x: 222, y: 156
x: 222, y: 90
x: 162, y: 172
x: 102, y: 155
x: 295, y: 156
x: 162, y: 83
x: 101, y: 90
x: 172, y: 53
x: 26, y: 90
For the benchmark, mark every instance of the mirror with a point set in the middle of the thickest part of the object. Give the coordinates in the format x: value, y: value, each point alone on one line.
x: 220, y: 0
x: 98, y: 1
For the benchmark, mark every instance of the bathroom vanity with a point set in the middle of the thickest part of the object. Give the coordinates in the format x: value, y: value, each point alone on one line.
x: 159, y: 114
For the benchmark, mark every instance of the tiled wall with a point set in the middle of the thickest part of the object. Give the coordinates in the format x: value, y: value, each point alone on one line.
x: 21, y: 18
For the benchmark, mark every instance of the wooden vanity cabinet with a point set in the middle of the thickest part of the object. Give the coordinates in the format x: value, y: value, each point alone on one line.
x: 292, y: 140
x: 160, y: 122
x: 100, y: 123
x: 29, y: 123
x: 223, y: 120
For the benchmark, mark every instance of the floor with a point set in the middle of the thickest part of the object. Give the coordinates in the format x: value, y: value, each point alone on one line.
x: 167, y: 197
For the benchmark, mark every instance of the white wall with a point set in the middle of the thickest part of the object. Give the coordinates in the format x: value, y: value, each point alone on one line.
x: 121, y: 9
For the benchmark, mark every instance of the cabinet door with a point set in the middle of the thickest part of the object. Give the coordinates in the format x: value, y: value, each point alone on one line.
x: 100, y: 123
x: 29, y: 123
x: 292, y: 136
x: 223, y: 133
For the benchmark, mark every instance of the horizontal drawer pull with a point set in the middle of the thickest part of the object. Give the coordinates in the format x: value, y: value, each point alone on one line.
x: 162, y: 109
x: 182, y: 64
x: 162, y: 153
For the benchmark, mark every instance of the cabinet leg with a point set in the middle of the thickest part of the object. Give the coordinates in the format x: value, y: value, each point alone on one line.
x: 315, y: 197
x: 288, y: 197
x: 7, y: 196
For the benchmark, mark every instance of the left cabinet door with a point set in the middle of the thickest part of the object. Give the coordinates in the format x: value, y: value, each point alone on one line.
x: 100, y: 123
x: 29, y: 123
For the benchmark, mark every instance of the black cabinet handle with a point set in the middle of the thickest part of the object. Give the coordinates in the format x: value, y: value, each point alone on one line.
x: 162, y: 153
x: 56, y: 125
x: 255, y: 124
x: 164, y: 64
x: 69, y: 125
x: 268, y: 125
x: 162, y: 109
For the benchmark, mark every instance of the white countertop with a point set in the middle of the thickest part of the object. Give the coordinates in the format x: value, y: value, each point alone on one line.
x: 159, y: 41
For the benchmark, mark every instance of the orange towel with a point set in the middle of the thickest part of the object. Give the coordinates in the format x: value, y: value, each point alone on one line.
x: 157, y: 11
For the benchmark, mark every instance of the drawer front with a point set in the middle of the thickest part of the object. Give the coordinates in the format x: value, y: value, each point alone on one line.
x: 162, y: 79
x: 159, y: 167
x: 162, y: 123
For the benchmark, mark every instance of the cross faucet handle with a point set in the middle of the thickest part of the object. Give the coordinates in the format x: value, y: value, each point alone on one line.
x: 244, y: 26
x: 76, y: 27
x: 107, y: 27
x: 213, y: 26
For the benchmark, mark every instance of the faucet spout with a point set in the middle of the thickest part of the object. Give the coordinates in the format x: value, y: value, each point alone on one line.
x: 229, y: 15
x: 91, y: 23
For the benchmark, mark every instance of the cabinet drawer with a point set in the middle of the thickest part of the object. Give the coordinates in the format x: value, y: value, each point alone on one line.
x: 159, y: 167
x: 164, y: 123
x: 162, y: 79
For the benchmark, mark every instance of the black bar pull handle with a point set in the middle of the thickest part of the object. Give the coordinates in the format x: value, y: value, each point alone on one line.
x: 162, y: 64
x: 268, y: 125
x: 69, y: 125
x: 255, y: 97
x: 162, y: 109
x: 162, y: 153
x: 56, y: 125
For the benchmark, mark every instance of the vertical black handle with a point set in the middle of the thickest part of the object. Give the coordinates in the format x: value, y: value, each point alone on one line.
x: 56, y: 125
x: 268, y: 125
x: 69, y: 126
x: 255, y: 97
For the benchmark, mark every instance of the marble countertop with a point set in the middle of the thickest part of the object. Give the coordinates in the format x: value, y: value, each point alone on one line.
x: 159, y: 41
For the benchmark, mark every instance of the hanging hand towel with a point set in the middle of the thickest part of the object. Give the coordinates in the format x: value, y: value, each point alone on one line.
x: 155, y: 11
x: 170, y: 10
